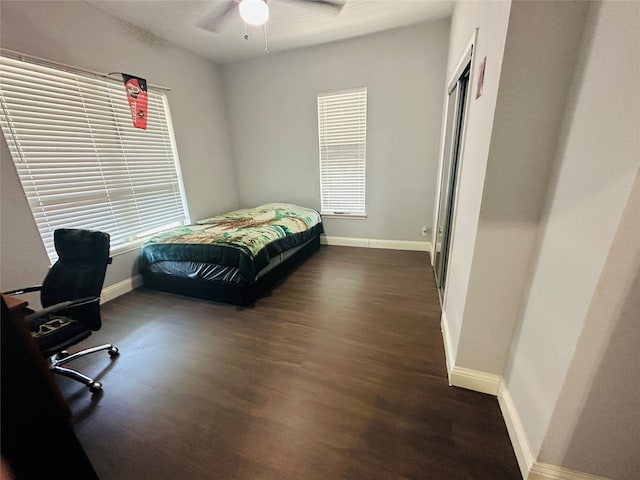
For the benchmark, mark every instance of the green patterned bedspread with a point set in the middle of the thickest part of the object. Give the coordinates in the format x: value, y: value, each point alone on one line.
x: 246, y: 239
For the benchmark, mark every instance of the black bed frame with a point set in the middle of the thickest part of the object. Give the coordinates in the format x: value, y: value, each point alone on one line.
x: 235, y: 293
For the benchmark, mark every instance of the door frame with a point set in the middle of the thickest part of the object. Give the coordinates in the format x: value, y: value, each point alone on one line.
x: 468, y: 58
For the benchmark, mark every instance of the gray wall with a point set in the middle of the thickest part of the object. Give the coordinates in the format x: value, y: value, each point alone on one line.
x: 491, y: 19
x: 273, y: 121
x: 539, y: 60
x: 77, y: 34
x: 543, y: 272
x: 598, y: 158
x: 595, y: 426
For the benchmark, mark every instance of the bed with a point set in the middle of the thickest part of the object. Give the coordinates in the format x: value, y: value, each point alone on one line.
x: 232, y: 258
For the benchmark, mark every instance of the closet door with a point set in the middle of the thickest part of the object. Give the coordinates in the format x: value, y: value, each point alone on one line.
x: 456, y: 103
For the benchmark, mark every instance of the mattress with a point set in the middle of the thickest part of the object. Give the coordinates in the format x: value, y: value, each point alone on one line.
x: 236, y: 247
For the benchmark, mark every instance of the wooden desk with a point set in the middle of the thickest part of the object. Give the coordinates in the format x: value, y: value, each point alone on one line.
x: 37, y: 438
x: 14, y: 303
x: 17, y: 307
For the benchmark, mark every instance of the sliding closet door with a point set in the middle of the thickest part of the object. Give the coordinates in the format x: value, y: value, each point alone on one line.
x: 448, y: 181
x: 444, y: 184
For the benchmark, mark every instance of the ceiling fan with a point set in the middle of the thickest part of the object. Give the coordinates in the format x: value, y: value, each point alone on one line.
x: 256, y: 12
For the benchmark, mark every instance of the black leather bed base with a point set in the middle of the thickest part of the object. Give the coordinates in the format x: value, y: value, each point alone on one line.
x: 234, y: 293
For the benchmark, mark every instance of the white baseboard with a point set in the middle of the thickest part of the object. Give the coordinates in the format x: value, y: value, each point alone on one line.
x: 529, y: 467
x: 376, y: 243
x: 544, y: 471
x: 494, y: 385
x: 465, y: 377
x: 448, y: 346
x: 475, y: 380
x: 120, y: 288
x: 517, y: 434
x: 344, y: 241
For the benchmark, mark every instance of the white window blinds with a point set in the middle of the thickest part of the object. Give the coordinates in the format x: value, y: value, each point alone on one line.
x: 342, y: 132
x: 81, y: 162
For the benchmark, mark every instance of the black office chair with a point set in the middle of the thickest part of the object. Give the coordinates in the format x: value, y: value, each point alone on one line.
x: 70, y: 297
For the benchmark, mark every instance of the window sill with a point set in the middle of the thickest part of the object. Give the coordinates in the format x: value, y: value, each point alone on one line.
x: 353, y: 216
x: 129, y: 247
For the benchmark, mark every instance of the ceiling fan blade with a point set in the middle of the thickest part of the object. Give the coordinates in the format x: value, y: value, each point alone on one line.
x: 329, y: 3
x: 214, y: 18
x: 335, y: 5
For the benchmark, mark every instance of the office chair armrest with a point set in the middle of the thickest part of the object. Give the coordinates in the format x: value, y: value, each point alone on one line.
x: 61, y: 306
x: 20, y: 291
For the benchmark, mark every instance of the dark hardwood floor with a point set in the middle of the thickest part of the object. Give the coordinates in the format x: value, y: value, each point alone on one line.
x: 338, y: 374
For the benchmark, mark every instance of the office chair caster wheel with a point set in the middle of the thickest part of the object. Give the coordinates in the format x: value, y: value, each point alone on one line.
x: 114, y: 352
x: 95, y: 387
x: 62, y: 354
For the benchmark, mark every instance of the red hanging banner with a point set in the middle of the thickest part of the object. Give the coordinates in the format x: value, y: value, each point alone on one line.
x: 136, y: 88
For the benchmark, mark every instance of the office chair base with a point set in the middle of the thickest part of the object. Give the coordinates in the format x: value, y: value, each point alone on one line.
x: 64, y: 357
x: 93, y: 386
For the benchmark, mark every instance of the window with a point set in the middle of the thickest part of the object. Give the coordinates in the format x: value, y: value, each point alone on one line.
x: 342, y: 129
x: 81, y: 162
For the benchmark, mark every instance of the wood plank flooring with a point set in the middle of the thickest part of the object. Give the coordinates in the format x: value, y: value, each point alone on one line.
x: 338, y: 374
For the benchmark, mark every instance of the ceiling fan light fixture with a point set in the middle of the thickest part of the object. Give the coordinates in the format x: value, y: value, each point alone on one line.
x: 254, y: 12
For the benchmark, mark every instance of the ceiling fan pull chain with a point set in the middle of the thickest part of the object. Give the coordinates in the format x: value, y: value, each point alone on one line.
x: 246, y: 33
x: 266, y: 42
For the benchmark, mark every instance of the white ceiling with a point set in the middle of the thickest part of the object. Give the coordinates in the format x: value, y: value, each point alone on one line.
x: 292, y: 23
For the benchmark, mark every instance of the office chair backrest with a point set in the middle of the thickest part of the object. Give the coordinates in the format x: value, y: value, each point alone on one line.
x: 79, y: 271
